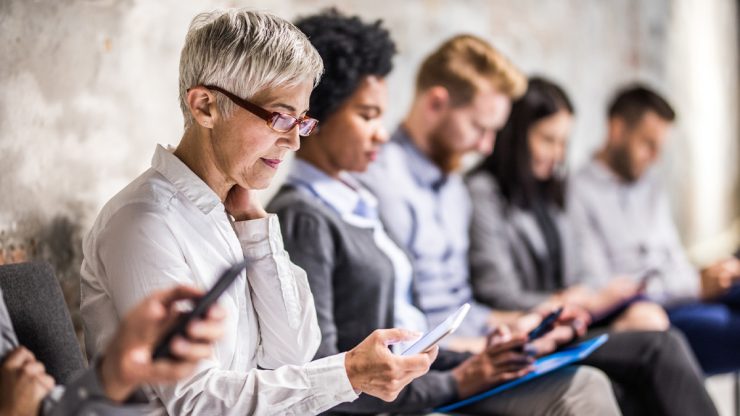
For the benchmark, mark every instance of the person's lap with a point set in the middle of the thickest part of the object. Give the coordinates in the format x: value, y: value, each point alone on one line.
x: 654, y: 373
x: 577, y: 390
x: 713, y: 330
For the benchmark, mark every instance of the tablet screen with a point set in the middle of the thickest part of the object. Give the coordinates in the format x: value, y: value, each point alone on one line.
x: 432, y: 337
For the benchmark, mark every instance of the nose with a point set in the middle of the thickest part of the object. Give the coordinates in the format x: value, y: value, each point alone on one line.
x: 486, y: 143
x: 291, y: 140
x: 381, y: 135
x: 559, y: 153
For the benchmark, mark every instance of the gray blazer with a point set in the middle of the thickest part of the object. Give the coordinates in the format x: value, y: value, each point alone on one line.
x: 505, y: 242
x: 352, y: 282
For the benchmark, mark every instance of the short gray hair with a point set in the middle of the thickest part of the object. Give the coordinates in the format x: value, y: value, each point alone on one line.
x: 245, y: 52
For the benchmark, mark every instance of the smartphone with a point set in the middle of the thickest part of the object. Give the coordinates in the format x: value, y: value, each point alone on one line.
x: 200, y: 309
x: 442, y: 330
x: 547, y: 324
x: 645, y: 277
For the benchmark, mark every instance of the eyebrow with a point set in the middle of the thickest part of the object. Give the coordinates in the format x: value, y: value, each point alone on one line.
x: 370, y: 107
x: 287, y: 107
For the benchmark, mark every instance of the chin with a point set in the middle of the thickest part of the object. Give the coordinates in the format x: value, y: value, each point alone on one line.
x: 359, y: 168
x: 259, y: 183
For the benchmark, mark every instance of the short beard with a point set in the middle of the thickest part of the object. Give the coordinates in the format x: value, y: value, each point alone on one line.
x: 619, y: 161
x: 445, y: 158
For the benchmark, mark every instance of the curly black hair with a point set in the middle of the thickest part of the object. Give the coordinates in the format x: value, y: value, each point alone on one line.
x: 351, y: 50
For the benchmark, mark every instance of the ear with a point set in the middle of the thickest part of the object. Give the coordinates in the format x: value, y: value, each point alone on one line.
x: 616, y: 131
x: 202, y: 105
x: 437, y: 99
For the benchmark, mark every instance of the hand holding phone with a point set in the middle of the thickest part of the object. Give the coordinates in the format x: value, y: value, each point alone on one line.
x: 199, y: 310
x: 645, y: 278
x: 547, y: 324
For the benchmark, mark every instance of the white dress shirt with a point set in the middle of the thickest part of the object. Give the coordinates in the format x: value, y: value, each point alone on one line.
x: 168, y: 227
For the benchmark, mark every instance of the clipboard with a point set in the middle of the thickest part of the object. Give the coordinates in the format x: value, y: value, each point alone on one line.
x: 542, y: 366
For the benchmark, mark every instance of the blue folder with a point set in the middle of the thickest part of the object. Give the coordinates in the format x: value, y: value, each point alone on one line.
x: 542, y: 366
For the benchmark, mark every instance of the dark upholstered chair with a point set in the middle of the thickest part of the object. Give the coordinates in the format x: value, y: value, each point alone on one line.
x: 40, y: 317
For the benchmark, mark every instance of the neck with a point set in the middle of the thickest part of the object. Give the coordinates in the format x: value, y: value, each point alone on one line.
x: 603, y: 156
x: 312, y: 153
x: 196, y: 152
x: 418, y: 130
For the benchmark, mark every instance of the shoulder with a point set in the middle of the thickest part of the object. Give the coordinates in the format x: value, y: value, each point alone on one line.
x: 586, y: 181
x: 141, y: 205
x: 301, y: 214
x: 584, y: 175
x: 391, y: 168
x: 483, y: 184
x: 150, y: 193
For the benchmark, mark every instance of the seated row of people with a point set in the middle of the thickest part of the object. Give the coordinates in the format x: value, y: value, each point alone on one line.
x: 414, y: 272
x: 603, y: 240
x: 382, y: 234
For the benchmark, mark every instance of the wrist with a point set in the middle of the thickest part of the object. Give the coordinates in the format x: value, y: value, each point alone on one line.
x: 464, y: 380
x: 350, y: 368
x: 109, y: 375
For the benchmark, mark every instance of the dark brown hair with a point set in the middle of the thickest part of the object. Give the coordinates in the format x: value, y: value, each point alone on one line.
x: 511, y: 161
x: 631, y: 104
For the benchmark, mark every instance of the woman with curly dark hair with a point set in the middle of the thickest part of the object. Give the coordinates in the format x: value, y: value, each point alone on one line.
x: 360, y: 279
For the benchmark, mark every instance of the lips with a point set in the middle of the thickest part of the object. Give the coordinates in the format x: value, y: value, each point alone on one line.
x: 273, y: 163
x: 372, y: 155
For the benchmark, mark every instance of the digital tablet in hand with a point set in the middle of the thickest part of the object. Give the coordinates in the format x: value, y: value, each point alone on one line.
x: 199, y: 311
x: 442, y: 330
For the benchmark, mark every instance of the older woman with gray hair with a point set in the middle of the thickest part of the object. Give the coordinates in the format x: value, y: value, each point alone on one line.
x: 245, y: 82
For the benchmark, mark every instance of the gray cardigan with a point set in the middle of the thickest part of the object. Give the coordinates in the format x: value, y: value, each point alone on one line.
x: 505, y: 242
x: 352, y: 283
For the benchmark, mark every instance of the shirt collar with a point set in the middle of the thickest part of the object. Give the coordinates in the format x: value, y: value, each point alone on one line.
x: 352, y: 200
x: 421, y: 167
x: 602, y: 172
x: 184, y: 179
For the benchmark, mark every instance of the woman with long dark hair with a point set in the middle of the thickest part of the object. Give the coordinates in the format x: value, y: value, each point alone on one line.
x: 522, y: 247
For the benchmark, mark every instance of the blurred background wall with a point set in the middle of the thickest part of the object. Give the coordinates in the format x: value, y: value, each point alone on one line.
x: 88, y: 87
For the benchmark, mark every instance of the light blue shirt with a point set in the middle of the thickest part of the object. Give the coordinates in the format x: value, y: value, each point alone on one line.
x: 429, y: 214
x: 358, y: 207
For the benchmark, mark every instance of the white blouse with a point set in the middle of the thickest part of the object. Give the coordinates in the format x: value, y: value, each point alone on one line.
x: 168, y: 227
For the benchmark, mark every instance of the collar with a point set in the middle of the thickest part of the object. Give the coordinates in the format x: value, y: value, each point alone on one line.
x: 601, y: 171
x: 346, y: 196
x: 184, y: 179
x: 421, y: 167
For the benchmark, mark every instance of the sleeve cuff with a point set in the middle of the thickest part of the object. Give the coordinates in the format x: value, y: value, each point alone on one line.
x: 329, y: 376
x: 261, y: 240
x: 260, y: 237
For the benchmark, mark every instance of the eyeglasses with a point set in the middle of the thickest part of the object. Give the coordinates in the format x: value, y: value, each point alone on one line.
x: 279, y: 122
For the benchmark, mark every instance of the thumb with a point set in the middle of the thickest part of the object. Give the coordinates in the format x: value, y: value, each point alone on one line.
x: 396, y: 335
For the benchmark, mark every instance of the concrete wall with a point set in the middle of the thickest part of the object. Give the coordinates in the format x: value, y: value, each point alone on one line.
x: 88, y: 87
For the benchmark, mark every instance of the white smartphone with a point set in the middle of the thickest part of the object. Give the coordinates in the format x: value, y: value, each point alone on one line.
x: 442, y: 330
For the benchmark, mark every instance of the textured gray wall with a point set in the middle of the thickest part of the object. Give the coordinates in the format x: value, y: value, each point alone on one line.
x: 87, y: 88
